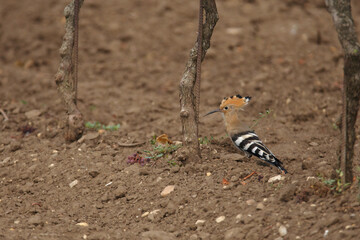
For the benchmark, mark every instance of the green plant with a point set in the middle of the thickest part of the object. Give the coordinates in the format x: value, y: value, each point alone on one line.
x: 262, y: 115
x: 24, y: 102
x: 97, y: 126
x: 205, y: 140
x: 161, y: 150
x: 92, y: 107
x: 153, y: 140
x: 335, y: 185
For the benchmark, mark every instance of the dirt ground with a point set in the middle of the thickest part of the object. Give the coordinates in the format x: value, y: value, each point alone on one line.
x: 285, y: 54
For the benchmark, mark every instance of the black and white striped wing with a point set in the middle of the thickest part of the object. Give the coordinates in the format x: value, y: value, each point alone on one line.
x: 250, y: 143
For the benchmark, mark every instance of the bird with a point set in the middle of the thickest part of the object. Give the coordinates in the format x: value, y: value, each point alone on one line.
x: 240, y: 134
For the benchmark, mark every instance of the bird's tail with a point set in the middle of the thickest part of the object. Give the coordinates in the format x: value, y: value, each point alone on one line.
x: 278, y: 164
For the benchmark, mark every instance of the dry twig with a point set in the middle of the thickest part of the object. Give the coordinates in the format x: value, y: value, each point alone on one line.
x: 6, y: 118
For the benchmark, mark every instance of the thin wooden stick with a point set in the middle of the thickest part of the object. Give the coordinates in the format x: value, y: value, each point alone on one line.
x: 131, y: 144
x: 4, y: 115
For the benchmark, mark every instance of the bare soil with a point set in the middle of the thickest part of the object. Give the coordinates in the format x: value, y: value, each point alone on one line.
x: 285, y: 54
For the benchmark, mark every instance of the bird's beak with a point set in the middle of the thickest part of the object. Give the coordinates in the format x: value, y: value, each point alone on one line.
x: 215, y: 111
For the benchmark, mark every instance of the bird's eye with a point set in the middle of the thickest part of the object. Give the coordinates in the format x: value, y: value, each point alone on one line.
x: 226, y: 108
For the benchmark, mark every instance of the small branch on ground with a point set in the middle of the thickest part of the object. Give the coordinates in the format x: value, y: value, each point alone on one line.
x: 6, y: 118
x: 74, y: 126
x: 190, y: 82
x: 131, y: 144
x: 340, y: 11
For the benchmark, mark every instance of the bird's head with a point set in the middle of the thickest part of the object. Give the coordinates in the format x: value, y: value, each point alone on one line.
x: 231, y: 104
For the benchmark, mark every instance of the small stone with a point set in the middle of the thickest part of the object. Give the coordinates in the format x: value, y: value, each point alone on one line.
x: 145, y: 214
x: 143, y: 172
x: 276, y: 178
x: 157, y: 235
x: 200, y: 222
x: 167, y: 190
x: 208, y: 174
x: 82, y: 224
x: 14, y: 146
x: 7, y: 159
x: 220, y: 219
x: 91, y: 135
x: 32, y: 114
x: 234, y: 233
x: 234, y: 30
x: 152, y: 214
x: 194, y: 237
x: 175, y: 169
x: 282, y: 230
x: 73, y: 183
x: 120, y: 192
x: 94, y: 173
x: 51, y: 165
x: 35, y: 220
x: 350, y: 226
x: 16, y: 221
x: 287, y: 193
x: 250, y: 202
x: 260, y: 206
x: 314, y: 144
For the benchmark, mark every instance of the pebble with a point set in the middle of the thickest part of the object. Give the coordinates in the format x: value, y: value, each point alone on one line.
x: 208, y: 174
x: 282, y: 230
x: 14, y: 146
x: 35, y: 220
x: 234, y: 233
x: 276, y: 178
x: 220, y: 219
x: 260, y: 206
x: 32, y: 114
x: 152, y: 214
x: 287, y: 193
x: 73, y: 183
x: 200, y: 222
x: 175, y: 169
x: 239, y: 218
x: 82, y: 224
x: 91, y: 135
x: 7, y: 159
x: 167, y: 190
x: 94, y: 173
x: 194, y: 237
x: 145, y: 214
x: 250, y: 202
x: 314, y: 144
x: 120, y: 192
x: 157, y: 235
x: 234, y: 30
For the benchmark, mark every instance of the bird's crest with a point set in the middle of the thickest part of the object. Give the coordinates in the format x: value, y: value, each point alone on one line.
x: 235, y: 100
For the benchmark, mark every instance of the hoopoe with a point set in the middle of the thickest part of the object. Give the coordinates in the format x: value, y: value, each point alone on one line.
x: 241, y: 135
